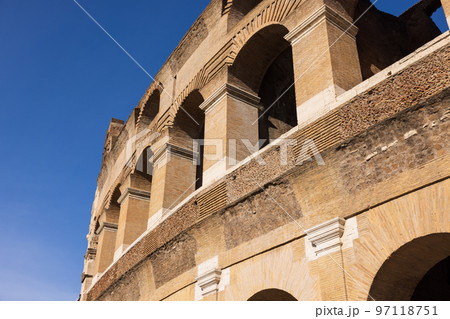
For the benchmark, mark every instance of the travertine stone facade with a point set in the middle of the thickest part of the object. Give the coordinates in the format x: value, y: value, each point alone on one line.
x: 324, y: 167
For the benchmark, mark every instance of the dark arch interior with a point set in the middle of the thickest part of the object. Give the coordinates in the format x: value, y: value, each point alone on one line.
x: 383, y: 39
x: 277, y: 92
x: 272, y: 295
x: 151, y: 109
x: 115, y: 197
x: 264, y: 66
x: 144, y: 164
x: 190, y: 126
x: 419, y: 270
x: 435, y: 285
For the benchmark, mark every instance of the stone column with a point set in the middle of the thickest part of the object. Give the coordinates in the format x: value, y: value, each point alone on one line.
x: 88, y: 272
x: 174, y: 176
x: 106, y: 232
x: 326, y: 61
x: 446, y: 6
x: 231, y: 116
x: 134, y: 207
x: 324, y: 245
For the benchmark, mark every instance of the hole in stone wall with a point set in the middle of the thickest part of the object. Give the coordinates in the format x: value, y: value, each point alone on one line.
x: 144, y: 164
x: 393, y: 29
x: 272, y: 295
x: 278, y: 97
x: 151, y: 109
x: 439, y: 19
x: 264, y: 66
x: 188, y: 127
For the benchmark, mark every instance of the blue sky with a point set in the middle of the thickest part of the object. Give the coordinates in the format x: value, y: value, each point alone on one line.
x: 61, y: 81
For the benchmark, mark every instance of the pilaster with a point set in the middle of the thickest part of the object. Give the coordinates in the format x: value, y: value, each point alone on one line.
x: 134, y: 206
x: 231, y: 116
x: 324, y: 245
x: 174, y: 177
x: 106, y: 231
x: 210, y: 280
x: 326, y: 62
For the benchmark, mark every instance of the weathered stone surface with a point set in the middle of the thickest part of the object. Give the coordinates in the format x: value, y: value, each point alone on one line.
x: 384, y: 146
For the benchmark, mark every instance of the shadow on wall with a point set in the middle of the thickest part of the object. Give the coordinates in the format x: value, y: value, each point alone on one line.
x: 383, y: 39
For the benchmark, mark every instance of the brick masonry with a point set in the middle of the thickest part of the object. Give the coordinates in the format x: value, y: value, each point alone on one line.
x: 386, y: 156
x: 359, y: 172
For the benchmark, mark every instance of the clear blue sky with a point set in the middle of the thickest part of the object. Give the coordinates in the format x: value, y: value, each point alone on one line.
x: 61, y: 81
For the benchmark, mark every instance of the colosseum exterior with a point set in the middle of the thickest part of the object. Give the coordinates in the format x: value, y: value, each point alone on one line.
x: 334, y: 188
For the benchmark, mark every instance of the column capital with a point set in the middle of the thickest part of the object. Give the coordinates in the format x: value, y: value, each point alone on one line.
x: 208, y: 279
x: 167, y: 149
x: 84, y: 276
x: 90, y: 253
x: 106, y: 226
x: 326, y: 237
x: 324, y: 13
x: 133, y: 193
x: 228, y: 90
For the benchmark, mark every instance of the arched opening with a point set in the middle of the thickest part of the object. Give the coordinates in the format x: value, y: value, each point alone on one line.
x: 189, y: 132
x: 435, y: 285
x: 272, y: 295
x: 150, y: 110
x: 264, y: 66
x: 114, y: 203
x: 419, y: 270
x: 237, y: 9
x: 144, y: 164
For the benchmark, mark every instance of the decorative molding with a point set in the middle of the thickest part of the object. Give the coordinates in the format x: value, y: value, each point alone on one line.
x: 90, y: 253
x: 106, y: 226
x: 133, y: 193
x: 326, y: 237
x: 325, y: 13
x: 275, y: 12
x: 168, y: 149
x: 208, y: 278
x: 84, y: 276
x: 209, y: 281
x: 228, y: 90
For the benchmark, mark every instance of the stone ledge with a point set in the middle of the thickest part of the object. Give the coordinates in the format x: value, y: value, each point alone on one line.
x: 325, y: 13
x: 228, y: 90
x: 135, y: 252
x: 133, y: 193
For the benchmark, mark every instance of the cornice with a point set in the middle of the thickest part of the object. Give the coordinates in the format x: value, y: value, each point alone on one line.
x: 133, y: 193
x: 324, y: 13
x: 168, y: 149
x: 228, y: 90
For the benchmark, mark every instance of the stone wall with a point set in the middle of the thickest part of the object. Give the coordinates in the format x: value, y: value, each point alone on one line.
x: 362, y: 172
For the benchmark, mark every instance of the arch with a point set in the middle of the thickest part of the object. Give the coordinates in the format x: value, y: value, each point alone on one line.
x: 272, y: 295
x: 149, y: 110
x: 256, y: 55
x: 114, y: 199
x: 237, y: 9
x: 414, y: 268
x: 144, y: 164
x: 264, y: 66
x: 189, y: 127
